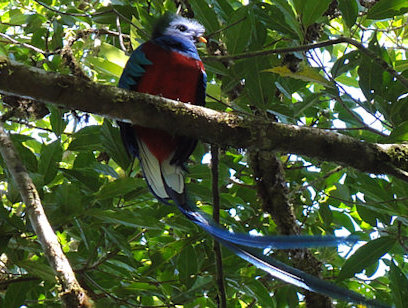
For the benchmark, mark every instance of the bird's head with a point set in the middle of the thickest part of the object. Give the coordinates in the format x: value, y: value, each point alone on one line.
x: 178, y: 26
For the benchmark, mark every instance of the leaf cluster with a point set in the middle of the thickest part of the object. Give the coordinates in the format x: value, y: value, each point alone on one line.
x: 127, y: 249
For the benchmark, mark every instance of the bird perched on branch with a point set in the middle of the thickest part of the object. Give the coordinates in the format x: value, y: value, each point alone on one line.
x: 169, y: 65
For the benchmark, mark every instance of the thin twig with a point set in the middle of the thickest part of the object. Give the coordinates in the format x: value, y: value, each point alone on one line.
x: 222, y: 297
x: 121, y: 44
x: 71, y: 14
x: 130, y: 22
x: 9, y: 38
x: 226, y: 27
x: 307, y: 47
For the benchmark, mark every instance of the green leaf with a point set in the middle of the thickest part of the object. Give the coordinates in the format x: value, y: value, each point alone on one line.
x: 367, y: 214
x: 57, y: 121
x: 187, y: 265
x: 349, y: 11
x: 88, y: 138
x: 238, y: 34
x: 399, y: 134
x: 289, y: 18
x: 26, y: 155
x: 102, y: 65
x: 346, y: 63
x: 259, y: 292
x: 104, y: 16
x: 86, y: 176
x: 371, y: 77
x: 68, y: 199
x: 134, y: 35
x: 38, y: 269
x: 113, y: 54
x: 16, y: 294
x: 142, y: 218
x: 313, y: 10
x: 365, y: 256
x: 51, y: 155
x: 120, y: 241
x: 344, y: 220
x: 399, y: 286
x: 112, y: 142
x: 308, y: 74
x: 118, y: 188
x: 387, y: 8
x: 205, y: 15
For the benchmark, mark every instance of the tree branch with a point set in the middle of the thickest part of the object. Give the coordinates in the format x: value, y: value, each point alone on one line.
x: 222, y: 297
x: 387, y: 67
x: 208, y: 125
x: 73, y: 295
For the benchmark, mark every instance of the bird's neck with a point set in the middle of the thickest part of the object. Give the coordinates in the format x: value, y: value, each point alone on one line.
x: 177, y: 44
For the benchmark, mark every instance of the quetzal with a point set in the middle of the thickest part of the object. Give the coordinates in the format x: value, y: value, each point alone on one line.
x: 168, y: 65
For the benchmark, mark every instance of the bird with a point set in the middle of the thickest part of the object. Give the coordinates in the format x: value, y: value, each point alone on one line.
x: 169, y: 65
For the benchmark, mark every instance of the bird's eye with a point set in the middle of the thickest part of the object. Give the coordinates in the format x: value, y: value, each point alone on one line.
x: 181, y: 28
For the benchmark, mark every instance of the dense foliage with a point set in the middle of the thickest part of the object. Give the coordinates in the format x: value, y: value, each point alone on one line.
x: 126, y: 248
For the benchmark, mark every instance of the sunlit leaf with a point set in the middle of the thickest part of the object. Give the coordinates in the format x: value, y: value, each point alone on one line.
x: 365, y: 256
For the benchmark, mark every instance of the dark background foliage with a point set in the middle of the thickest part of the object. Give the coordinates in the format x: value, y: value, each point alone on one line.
x: 127, y: 249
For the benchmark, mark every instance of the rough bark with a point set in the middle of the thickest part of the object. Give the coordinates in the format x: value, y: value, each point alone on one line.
x: 210, y: 126
x: 72, y: 294
x: 273, y: 193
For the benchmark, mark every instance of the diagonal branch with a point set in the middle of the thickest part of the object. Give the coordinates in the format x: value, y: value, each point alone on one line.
x: 210, y: 126
x: 73, y: 295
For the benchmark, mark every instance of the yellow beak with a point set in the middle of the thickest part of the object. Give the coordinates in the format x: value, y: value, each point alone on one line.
x: 202, y: 39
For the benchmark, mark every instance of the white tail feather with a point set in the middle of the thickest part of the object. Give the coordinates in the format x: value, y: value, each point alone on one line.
x: 155, y: 172
x: 173, y: 175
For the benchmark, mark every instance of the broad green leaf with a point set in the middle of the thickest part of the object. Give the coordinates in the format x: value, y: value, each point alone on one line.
x: 349, y: 11
x: 387, y: 9
x: 238, y: 34
x: 289, y: 18
x: 306, y: 73
x: 344, y: 220
x: 113, y: 54
x: 26, y: 155
x: 365, y: 256
x: 367, y: 215
x: 104, y: 66
x: 68, y: 199
x: 133, y: 219
x: 313, y: 10
x: 187, y: 265
x: 104, y: 16
x: 370, y: 77
x: 399, y: 286
x: 120, y: 241
x: 325, y: 213
x: 341, y: 192
x: 51, y: 155
x: 113, y: 145
x: 16, y: 294
x: 205, y: 15
x: 14, y: 16
x: 104, y: 169
x: 88, y: 138
x: 346, y: 63
x: 259, y: 292
x: 38, y: 269
x: 118, y: 188
x: 57, y: 121
x: 86, y: 176
x: 134, y: 35
x: 399, y: 134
